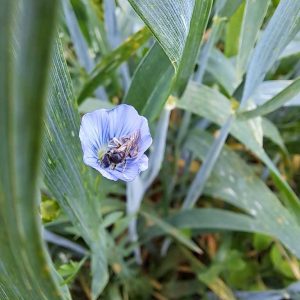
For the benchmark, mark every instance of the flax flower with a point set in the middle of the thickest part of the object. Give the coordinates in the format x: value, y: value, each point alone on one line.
x: 114, y: 142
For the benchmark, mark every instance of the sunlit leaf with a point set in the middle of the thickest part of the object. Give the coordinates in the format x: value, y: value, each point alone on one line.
x: 71, y: 183
x: 235, y: 182
x: 26, y: 271
x: 254, y: 14
x: 281, y: 29
x: 276, y: 102
x: 218, y: 109
x: 109, y: 63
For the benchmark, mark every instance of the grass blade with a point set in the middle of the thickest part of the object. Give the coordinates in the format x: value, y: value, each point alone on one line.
x: 113, y: 60
x: 276, y: 102
x: 198, y: 183
x: 26, y: 271
x: 198, y: 23
x: 169, y: 23
x: 195, y: 100
x: 151, y: 83
x: 254, y: 14
x: 281, y: 29
x: 71, y: 183
x: 175, y: 233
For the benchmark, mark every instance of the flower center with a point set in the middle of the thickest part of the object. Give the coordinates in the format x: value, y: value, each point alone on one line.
x: 101, y: 152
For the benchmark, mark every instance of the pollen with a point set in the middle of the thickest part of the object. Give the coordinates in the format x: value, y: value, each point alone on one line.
x: 101, y: 152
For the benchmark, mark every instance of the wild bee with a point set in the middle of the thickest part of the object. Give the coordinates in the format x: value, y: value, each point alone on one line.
x: 119, y: 150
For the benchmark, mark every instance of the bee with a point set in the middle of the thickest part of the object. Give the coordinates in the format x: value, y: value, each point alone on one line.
x: 119, y: 150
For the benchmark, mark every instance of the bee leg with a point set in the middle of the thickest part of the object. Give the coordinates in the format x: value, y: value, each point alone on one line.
x: 117, y: 142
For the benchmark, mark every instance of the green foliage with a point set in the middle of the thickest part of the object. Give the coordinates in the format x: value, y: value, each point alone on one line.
x: 205, y: 218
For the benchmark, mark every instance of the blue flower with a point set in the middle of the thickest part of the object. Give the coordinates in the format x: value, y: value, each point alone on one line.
x: 114, y: 141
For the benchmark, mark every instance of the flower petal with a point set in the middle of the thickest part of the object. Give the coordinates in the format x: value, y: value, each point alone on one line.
x: 91, y: 159
x: 124, y: 120
x: 143, y: 163
x: 145, y: 136
x: 132, y: 169
x: 107, y: 174
x: 94, y: 130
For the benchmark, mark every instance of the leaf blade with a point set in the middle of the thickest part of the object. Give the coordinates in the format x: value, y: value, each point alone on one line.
x: 71, y: 183
x: 110, y: 62
x: 283, y: 26
x: 26, y: 271
x: 276, y: 102
x: 254, y: 14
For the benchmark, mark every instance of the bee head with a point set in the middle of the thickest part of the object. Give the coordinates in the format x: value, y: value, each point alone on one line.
x: 105, y: 160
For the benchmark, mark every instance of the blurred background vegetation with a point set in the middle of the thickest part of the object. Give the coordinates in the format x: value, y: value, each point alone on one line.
x: 217, y: 215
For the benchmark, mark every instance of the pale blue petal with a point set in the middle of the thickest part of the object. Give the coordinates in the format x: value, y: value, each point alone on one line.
x: 143, y: 163
x: 94, y: 130
x: 145, y: 137
x: 128, y: 172
x: 124, y: 120
x: 90, y: 158
x: 107, y: 173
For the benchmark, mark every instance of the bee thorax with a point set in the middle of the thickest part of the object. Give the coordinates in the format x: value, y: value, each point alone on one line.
x: 119, y: 149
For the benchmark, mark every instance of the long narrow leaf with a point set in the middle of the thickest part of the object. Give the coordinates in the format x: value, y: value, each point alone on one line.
x: 25, y: 268
x: 198, y: 23
x: 169, y: 22
x: 66, y: 177
x: 254, y: 14
x: 283, y: 26
x: 276, y: 102
x: 113, y: 60
x: 151, y: 83
x: 155, y: 78
x: 175, y: 233
x: 198, y: 184
x: 195, y: 100
x: 236, y: 183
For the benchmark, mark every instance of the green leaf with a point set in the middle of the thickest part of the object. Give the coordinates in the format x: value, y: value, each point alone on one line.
x: 111, y: 61
x: 197, y: 186
x: 281, y: 265
x: 179, y: 28
x: 151, y: 83
x: 271, y: 132
x: 281, y: 29
x: 207, y: 219
x: 172, y: 231
x: 226, y: 8
x: 71, y: 183
x: 199, y: 20
x: 233, y: 181
x: 91, y: 104
x: 233, y: 30
x: 212, y: 105
x: 216, y: 31
x: 276, y: 102
x: 70, y: 270
x: 222, y: 69
x: 254, y: 14
x: 236, y: 183
x: 25, y: 266
x: 261, y: 242
x: 169, y: 23
x: 270, y: 88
